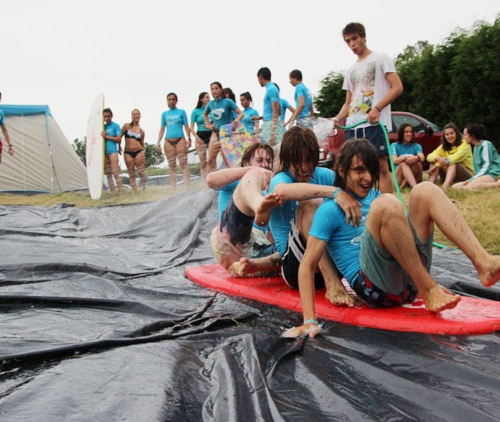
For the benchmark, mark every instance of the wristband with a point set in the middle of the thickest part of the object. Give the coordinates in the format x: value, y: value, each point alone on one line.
x: 335, y: 193
x: 313, y: 321
x: 376, y: 108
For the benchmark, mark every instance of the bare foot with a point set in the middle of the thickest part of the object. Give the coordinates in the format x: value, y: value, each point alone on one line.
x: 240, y: 268
x: 340, y: 297
x: 489, y: 271
x: 263, y: 213
x: 438, y: 299
x: 256, y: 267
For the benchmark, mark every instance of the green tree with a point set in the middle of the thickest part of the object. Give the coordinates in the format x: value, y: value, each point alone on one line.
x: 331, y: 97
x: 79, y: 145
x: 153, y: 156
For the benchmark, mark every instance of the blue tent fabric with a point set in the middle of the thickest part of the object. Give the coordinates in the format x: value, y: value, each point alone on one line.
x: 98, y: 322
x: 24, y: 110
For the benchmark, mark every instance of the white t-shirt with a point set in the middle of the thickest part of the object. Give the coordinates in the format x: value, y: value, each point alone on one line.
x: 367, y: 82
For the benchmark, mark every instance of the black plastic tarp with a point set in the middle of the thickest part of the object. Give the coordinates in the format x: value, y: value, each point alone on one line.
x: 99, y: 323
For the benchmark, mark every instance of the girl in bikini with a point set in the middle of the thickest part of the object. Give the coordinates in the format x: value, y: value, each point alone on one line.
x: 201, y: 134
x: 175, y: 146
x: 134, y: 150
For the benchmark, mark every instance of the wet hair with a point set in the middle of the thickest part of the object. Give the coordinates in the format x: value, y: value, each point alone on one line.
x: 246, y: 95
x: 401, y: 133
x: 199, y: 104
x: 365, y: 151
x: 298, y: 144
x: 228, y: 93
x: 172, y: 93
x: 107, y: 110
x: 354, y: 28
x: 296, y: 74
x: 265, y: 73
x: 476, y: 131
x: 446, y: 145
x: 252, y: 149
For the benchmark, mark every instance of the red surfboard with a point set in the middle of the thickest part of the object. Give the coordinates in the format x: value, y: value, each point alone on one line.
x: 470, y: 316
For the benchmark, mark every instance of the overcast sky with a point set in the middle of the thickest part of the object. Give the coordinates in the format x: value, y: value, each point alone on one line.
x: 64, y: 52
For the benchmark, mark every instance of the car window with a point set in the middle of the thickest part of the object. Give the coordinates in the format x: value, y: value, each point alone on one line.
x: 398, y: 120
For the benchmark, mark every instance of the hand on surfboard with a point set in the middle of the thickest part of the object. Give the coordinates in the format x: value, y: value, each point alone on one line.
x: 307, y: 330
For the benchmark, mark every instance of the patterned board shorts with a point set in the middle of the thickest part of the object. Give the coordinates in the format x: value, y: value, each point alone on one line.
x: 265, y: 133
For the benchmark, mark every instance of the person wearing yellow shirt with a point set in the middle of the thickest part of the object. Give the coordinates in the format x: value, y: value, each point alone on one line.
x: 452, y: 160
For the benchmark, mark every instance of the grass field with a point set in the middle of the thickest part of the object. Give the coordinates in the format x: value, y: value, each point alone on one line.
x: 481, y: 209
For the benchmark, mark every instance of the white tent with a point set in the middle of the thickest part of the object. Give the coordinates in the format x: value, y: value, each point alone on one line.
x: 43, y: 160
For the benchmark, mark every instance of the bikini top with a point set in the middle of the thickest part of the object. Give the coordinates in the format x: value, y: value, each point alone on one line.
x: 130, y: 134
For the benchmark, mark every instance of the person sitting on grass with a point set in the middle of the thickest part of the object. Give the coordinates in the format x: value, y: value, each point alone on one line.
x: 408, y: 156
x: 386, y: 260
x: 452, y: 160
x: 485, y: 158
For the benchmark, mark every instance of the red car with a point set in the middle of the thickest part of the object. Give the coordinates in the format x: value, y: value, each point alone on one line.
x: 427, y: 134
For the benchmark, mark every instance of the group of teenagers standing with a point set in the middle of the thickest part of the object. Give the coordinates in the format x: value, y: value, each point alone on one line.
x: 315, y: 226
x: 210, y: 115
x: 177, y: 132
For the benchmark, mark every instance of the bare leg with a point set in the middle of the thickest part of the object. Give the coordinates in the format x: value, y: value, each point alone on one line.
x: 389, y: 227
x: 480, y: 181
x: 213, y: 151
x: 417, y: 169
x: 115, y: 169
x: 140, y: 164
x: 201, y: 149
x: 433, y: 173
x: 182, y: 154
x: 335, y: 290
x: 485, y: 185
x: 428, y: 205
x: 451, y: 172
x: 385, y: 181
x: 109, y: 174
x: 400, y: 177
x: 248, y: 196
x: 409, y: 176
x: 130, y: 162
x: 172, y: 163
x: 412, y: 173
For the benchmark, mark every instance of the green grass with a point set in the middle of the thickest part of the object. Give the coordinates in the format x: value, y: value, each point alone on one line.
x: 481, y: 209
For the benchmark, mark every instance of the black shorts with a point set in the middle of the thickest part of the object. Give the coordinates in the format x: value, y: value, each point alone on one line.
x: 374, y: 134
x: 205, y: 135
x: 291, y: 261
x: 239, y: 225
